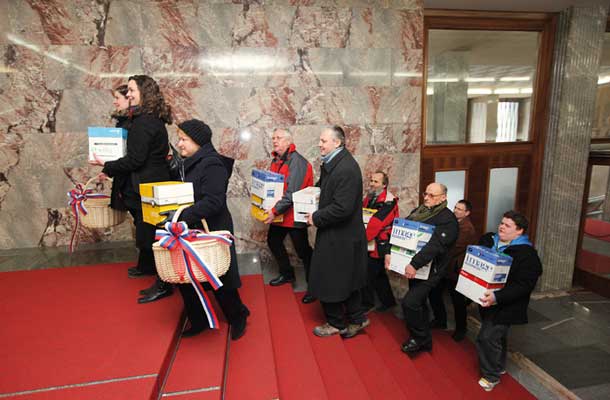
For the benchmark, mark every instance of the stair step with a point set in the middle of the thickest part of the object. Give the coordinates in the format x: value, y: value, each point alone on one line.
x: 298, y: 374
x: 340, y: 377
x: 251, y: 365
x: 411, y: 381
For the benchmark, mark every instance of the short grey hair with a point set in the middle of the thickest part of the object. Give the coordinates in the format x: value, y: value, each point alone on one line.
x: 338, y: 134
x: 443, y: 188
x: 287, y: 134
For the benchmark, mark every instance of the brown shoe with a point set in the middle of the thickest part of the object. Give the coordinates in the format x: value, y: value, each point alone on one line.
x: 327, y: 330
x: 353, y: 329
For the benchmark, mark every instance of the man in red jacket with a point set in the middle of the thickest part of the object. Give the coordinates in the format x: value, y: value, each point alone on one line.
x: 298, y: 174
x: 378, y: 232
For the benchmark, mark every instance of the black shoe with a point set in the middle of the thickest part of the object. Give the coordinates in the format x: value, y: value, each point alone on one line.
x: 435, y: 324
x: 193, y: 331
x: 151, y: 289
x: 383, y: 308
x: 280, y: 280
x: 458, y: 336
x: 135, y: 272
x: 238, y: 329
x: 412, y: 347
x: 308, y: 299
x: 163, y: 290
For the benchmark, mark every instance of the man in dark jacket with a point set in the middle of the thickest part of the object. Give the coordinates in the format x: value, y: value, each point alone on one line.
x: 507, y: 306
x: 338, y: 265
x: 298, y: 174
x: 434, y: 211
x: 378, y: 231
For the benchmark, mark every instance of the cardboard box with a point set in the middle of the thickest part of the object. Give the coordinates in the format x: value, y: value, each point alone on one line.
x: 266, y: 184
x: 158, y: 197
x: 305, y: 202
x: 261, y: 215
x: 265, y: 204
x: 487, y: 264
x: 474, y: 287
x: 367, y: 213
x: 109, y: 144
x: 407, y: 234
x: 400, y: 258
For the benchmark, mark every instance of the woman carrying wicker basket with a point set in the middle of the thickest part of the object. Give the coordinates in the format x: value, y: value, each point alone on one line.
x: 145, y: 161
x: 209, y: 172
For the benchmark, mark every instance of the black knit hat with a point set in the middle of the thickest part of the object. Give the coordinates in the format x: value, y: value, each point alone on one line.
x: 197, y: 130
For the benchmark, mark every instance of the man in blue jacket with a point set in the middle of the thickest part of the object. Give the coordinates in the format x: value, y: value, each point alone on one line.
x: 507, y: 306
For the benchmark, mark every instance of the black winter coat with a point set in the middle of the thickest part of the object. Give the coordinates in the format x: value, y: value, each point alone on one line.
x: 116, y: 195
x: 438, y: 247
x: 338, y: 264
x: 145, y: 161
x: 513, y: 299
x: 209, y: 172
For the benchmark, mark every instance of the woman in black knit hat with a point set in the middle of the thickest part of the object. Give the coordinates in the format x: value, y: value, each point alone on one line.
x: 209, y: 172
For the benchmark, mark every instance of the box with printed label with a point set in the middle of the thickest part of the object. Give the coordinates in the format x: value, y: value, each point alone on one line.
x: 266, y: 184
x: 367, y: 213
x: 261, y: 215
x: 474, y: 287
x: 487, y: 264
x: 109, y: 144
x: 400, y: 258
x: 265, y: 204
x: 305, y: 202
x: 158, y: 197
x: 407, y: 234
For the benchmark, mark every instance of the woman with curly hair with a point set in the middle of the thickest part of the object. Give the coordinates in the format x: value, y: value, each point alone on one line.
x: 145, y: 161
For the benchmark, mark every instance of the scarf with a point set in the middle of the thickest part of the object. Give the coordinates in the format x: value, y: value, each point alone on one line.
x: 326, y: 159
x: 423, y: 213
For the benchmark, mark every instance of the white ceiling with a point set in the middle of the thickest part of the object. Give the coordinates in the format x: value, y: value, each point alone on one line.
x: 511, y: 5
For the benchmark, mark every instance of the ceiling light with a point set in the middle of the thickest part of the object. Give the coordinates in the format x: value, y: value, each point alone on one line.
x: 515, y: 78
x: 480, y: 79
x: 603, y: 79
x: 527, y: 90
x: 507, y: 91
x: 408, y: 74
x: 443, y: 80
x: 429, y: 91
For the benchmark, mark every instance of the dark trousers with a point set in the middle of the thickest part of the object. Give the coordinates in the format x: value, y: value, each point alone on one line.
x: 377, y: 282
x: 350, y: 309
x: 228, y: 299
x: 491, y: 348
x: 460, y: 302
x: 437, y: 302
x: 145, y: 237
x: 300, y: 240
x: 415, y: 308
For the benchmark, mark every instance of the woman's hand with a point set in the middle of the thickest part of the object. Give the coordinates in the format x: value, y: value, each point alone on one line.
x: 97, y: 160
x: 102, y: 176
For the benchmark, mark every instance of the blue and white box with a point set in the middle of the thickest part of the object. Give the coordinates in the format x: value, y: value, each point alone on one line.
x: 400, y: 258
x: 267, y: 185
x: 109, y: 144
x: 487, y: 264
x: 407, y: 234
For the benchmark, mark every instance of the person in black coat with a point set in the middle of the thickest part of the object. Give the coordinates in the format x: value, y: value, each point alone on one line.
x: 434, y: 211
x: 338, y: 265
x: 145, y: 161
x: 507, y: 306
x: 120, y: 115
x: 209, y: 172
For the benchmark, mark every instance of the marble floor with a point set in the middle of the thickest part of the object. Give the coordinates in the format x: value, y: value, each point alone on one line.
x: 568, y: 335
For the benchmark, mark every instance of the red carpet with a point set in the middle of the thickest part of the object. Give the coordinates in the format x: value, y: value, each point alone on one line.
x: 80, y: 325
x: 597, y: 229
x: 292, y: 349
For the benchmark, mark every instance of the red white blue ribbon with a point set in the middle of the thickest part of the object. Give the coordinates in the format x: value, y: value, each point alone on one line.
x: 77, y: 196
x: 177, y: 237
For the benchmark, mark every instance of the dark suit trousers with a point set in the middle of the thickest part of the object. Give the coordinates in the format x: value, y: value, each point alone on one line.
x: 145, y: 237
x: 228, y: 299
x: 300, y: 240
x: 377, y: 283
x: 415, y: 309
x: 350, y: 309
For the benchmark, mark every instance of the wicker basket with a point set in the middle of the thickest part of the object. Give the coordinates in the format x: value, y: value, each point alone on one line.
x: 170, y: 264
x: 99, y: 213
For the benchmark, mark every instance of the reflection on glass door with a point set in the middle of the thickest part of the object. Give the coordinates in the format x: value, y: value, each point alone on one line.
x: 501, y: 195
x: 455, y: 182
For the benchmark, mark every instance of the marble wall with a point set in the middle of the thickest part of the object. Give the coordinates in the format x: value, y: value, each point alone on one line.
x: 244, y: 67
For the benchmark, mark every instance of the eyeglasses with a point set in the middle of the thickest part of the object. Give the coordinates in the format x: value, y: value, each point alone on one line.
x: 426, y: 194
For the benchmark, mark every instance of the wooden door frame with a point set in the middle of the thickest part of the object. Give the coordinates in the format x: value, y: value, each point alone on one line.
x: 546, y: 24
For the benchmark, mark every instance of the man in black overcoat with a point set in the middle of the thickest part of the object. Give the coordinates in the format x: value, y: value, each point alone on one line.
x: 338, y: 264
x: 434, y: 211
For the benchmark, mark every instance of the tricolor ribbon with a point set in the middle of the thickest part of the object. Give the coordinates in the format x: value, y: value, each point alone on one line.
x: 77, y: 196
x: 177, y: 239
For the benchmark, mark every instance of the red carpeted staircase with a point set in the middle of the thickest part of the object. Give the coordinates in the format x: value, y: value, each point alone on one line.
x: 77, y: 333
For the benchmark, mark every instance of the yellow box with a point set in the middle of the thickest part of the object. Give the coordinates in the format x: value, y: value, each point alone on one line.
x: 155, y: 201
x: 261, y: 215
x: 367, y: 213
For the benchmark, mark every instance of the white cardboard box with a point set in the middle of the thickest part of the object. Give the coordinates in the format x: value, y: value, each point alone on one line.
x: 267, y: 185
x: 175, y: 193
x: 486, y: 264
x: 407, y: 234
x: 109, y: 144
x: 305, y: 202
x: 474, y: 287
x: 400, y: 258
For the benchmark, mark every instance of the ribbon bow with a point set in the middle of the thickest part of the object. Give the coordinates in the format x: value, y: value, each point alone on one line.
x: 78, y: 196
x: 177, y: 238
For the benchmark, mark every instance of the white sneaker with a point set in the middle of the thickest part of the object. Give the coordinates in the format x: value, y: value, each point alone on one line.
x: 487, y: 385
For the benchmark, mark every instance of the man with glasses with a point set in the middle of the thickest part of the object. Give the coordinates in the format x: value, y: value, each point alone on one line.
x: 467, y: 236
x: 434, y: 211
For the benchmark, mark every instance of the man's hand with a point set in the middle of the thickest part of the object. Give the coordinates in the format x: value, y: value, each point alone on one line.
x: 271, y: 216
x: 169, y: 215
x: 488, y: 299
x: 310, y: 220
x: 386, y: 262
x: 410, y: 271
x: 102, y: 177
x: 97, y: 160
